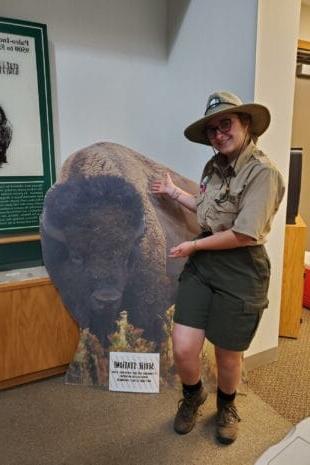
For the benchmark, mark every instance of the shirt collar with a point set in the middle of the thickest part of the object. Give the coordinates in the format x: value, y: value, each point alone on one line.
x: 232, y: 168
x: 244, y: 157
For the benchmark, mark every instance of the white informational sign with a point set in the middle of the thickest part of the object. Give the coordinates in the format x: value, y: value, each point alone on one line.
x: 134, y: 372
x: 19, y: 100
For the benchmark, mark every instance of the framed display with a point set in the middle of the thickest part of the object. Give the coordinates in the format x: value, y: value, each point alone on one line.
x: 27, y: 167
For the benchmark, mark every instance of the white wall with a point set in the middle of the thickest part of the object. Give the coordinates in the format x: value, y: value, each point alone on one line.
x: 116, y: 78
x: 274, y: 86
x: 304, y: 24
x: 213, y: 49
x: 118, y: 75
x: 301, y: 117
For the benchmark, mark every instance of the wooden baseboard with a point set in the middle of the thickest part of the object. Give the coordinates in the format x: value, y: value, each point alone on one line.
x: 30, y: 377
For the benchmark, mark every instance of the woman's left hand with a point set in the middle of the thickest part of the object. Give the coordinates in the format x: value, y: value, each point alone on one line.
x: 182, y: 250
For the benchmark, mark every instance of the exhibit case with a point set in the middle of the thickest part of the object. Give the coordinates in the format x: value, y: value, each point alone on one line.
x: 38, y: 337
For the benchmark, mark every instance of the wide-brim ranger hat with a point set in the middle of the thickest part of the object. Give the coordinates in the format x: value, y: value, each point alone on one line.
x: 220, y: 103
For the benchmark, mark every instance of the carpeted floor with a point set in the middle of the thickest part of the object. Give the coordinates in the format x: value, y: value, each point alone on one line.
x: 285, y: 384
x: 49, y: 423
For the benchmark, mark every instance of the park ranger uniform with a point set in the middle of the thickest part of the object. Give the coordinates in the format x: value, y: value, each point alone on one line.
x: 224, y: 292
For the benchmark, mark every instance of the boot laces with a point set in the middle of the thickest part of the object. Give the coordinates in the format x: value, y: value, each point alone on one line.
x: 187, y: 407
x: 229, y: 415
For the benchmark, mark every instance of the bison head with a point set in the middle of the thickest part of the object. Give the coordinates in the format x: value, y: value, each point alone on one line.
x: 91, y: 229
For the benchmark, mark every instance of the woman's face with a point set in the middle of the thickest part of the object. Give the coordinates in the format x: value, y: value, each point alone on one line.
x: 227, y: 134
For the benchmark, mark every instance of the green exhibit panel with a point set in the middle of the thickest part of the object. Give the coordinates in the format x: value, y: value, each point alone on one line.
x: 20, y: 255
x: 27, y: 167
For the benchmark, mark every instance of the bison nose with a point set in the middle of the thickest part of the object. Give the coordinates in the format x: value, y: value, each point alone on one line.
x: 106, y: 295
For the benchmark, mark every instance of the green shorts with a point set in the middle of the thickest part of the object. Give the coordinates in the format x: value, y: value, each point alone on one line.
x: 224, y: 292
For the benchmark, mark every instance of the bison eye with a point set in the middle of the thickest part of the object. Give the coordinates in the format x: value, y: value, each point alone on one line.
x: 76, y: 258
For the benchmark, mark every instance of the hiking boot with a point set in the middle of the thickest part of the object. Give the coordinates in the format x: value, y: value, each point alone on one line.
x: 187, y: 411
x: 227, y: 422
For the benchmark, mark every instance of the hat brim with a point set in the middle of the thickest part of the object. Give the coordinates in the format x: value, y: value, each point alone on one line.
x: 260, y: 120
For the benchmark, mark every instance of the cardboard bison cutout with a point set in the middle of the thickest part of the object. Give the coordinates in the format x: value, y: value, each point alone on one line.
x: 105, y: 240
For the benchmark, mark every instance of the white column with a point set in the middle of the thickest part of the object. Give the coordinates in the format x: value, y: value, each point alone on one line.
x: 277, y: 36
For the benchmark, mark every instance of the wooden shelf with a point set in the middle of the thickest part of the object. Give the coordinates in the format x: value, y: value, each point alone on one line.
x: 303, y: 44
x: 13, y: 239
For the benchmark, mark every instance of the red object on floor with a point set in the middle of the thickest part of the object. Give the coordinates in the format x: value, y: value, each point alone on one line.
x: 306, y: 301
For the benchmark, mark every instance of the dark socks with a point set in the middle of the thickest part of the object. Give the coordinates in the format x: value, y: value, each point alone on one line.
x: 225, y: 397
x: 191, y: 388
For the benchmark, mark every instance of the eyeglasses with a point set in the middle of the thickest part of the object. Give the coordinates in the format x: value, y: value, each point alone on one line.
x: 224, y: 126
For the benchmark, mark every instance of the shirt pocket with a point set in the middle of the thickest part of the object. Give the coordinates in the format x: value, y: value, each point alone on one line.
x: 203, y: 207
x: 224, y: 211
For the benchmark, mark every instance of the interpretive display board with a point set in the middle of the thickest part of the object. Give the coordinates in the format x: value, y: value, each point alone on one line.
x: 27, y: 167
x: 105, y: 242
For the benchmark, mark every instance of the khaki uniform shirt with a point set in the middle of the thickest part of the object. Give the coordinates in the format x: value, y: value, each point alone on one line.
x: 243, y: 195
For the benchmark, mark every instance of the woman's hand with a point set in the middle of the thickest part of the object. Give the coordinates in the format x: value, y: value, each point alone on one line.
x: 164, y: 186
x: 167, y: 186
x: 185, y: 249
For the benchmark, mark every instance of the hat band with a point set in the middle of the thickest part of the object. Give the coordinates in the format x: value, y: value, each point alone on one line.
x: 216, y: 104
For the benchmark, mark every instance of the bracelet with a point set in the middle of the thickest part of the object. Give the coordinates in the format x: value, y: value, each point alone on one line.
x: 176, y: 193
x: 195, y: 245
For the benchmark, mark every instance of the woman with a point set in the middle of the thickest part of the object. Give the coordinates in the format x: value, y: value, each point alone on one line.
x: 223, y: 288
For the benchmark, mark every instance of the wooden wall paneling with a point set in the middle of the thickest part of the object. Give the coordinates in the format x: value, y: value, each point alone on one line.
x: 293, y: 278
x: 304, y: 44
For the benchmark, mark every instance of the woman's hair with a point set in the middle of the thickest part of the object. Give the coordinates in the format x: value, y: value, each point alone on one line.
x: 246, y: 119
x: 5, y: 136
